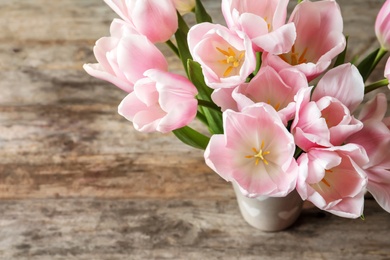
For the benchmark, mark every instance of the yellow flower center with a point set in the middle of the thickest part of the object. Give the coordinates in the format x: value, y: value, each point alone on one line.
x: 320, y: 185
x: 268, y: 24
x: 259, y: 154
x: 324, y: 180
x: 293, y: 57
x: 277, y: 106
x: 232, y: 60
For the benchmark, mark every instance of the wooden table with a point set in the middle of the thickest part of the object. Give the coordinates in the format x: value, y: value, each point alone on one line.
x: 78, y: 182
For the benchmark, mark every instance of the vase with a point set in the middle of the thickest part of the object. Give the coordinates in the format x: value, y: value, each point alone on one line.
x: 269, y: 213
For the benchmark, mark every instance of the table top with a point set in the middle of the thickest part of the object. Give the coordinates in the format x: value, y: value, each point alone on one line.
x: 78, y: 182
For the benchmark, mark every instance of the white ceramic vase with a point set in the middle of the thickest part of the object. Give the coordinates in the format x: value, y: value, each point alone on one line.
x: 269, y: 213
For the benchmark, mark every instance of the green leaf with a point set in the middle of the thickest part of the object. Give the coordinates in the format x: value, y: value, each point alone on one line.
x: 182, y: 46
x: 196, y: 76
x: 192, y: 137
x: 201, y: 13
x: 365, y: 65
x: 181, y: 41
x: 200, y: 116
x: 182, y: 25
x: 341, y: 57
x: 214, y: 117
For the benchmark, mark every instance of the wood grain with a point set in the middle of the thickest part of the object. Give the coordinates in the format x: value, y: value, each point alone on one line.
x: 179, y: 229
x: 78, y: 182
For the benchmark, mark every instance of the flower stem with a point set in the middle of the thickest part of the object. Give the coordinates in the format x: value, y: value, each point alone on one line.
x: 376, y: 85
x: 298, y: 152
x: 173, y: 47
x: 208, y: 104
x: 379, y: 56
x: 382, y: 51
x: 258, y: 62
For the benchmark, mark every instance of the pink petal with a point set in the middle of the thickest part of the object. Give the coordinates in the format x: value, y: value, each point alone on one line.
x: 278, y: 41
x: 222, y: 97
x: 156, y: 19
x: 380, y: 188
x: 136, y: 54
x: 382, y: 26
x: 344, y: 83
x: 375, y: 109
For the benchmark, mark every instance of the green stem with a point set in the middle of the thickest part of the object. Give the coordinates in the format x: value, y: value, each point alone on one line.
x: 173, y: 47
x: 376, y: 85
x: 382, y: 51
x: 379, y: 56
x: 258, y: 62
x: 208, y: 104
x: 298, y: 152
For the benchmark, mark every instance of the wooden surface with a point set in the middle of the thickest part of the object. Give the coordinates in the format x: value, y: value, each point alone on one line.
x: 77, y: 182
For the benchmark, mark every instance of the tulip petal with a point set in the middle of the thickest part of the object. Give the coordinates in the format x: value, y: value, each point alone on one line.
x: 344, y: 83
x: 278, y: 41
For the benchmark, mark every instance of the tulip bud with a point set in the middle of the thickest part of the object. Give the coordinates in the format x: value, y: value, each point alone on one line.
x: 156, y: 19
x: 382, y: 26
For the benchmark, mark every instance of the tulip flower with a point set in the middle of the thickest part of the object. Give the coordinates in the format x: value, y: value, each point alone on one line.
x: 326, y: 120
x: 156, y: 19
x: 124, y: 57
x: 382, y: 26
x: 375, y: 139
x: 333, y: 180
x: 320, y: 38
x: 344, y: 83
x: 227, y: 57
x: 263, y: 21
x: 256, y: 151
x: 161, y: 101
x: 276, y: 89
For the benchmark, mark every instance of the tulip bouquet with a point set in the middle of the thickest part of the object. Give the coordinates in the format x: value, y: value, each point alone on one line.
x: 277, y: 97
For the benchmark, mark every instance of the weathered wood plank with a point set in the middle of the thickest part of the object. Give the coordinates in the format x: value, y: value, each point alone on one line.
x: 179, y: 229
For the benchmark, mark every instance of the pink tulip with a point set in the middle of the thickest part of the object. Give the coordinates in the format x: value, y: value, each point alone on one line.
x: 263, y: 21
x: 276, y: 89
x: 333, y: 180
x: 344, y: 83
x: 319, y: 39
x: 124, y: 57
x: 326, y: 120
x: 226, y: 57
x: 387, y: 71
x: 268, y: 86
x: 256, y: 151
x: 375, y: 139
x: 160, y: 102
x: 156, y: 19
x: 382, y: 26
x: 324, y: 123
